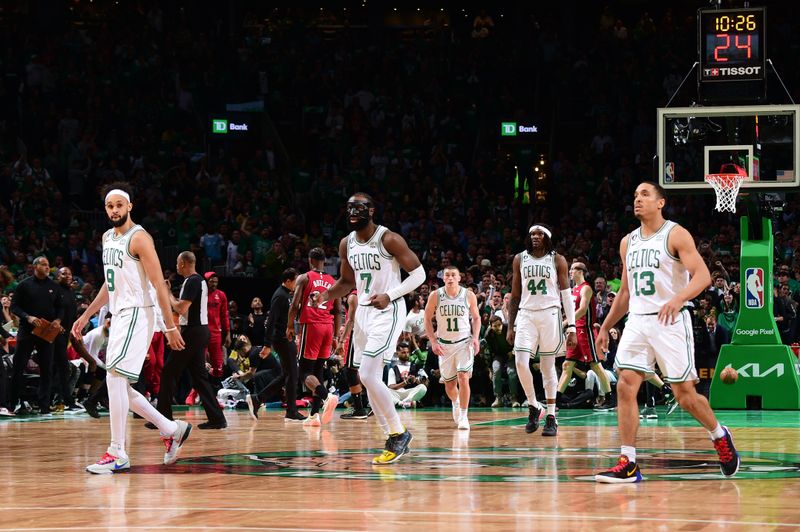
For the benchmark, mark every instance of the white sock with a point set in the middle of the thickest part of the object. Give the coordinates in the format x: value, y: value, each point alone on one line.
x: 371, y: 373
x: 717, y: 433
x: 463, y: 413
x: 551, y: 409
x: 630, y: 452
x: 526, y: 377
x: 140, y: 405
x: 118, y: 410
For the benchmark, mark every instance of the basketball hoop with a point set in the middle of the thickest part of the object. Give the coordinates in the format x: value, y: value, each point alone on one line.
x: 727, y: 188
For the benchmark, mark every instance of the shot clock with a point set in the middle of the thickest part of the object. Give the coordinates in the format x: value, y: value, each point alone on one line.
x: 731, y: 46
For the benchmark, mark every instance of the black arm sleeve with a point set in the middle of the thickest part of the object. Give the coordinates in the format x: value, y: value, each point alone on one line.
x: 278, y: 311
x: 20, y: 298
x: 60, y: 305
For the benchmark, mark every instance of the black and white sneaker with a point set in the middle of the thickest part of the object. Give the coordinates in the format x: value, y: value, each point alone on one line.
x: 625, y: 472
x: 355, y: 414
x: 534, y: 415
x: 550, y: 426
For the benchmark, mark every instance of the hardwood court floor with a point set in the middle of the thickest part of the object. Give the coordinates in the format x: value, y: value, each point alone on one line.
x: 268, y: 475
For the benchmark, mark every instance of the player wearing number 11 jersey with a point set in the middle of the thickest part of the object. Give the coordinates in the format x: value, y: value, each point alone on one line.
x: 539, y: 291
x: 662, y: 270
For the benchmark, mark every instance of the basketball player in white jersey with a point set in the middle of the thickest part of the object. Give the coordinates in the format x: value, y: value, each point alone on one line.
x: 661, y: 271
x: 539, y: 292
x: 455, y: 340
x: 130, y: 265
x: 371, y: 258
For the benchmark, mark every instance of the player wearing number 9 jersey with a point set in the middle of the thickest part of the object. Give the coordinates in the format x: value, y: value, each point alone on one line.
x: 662, y: 270
x: 539, y: 292
x: 131, y: 264
x: 371, y: 260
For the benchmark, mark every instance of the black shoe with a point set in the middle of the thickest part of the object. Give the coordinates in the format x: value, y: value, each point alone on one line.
x: 550, y: 426
x: 91, y: 408
x: 150, y: 426
x: 396, y: 446
x: 728, y: 457
x: 294, y: 416
x: 623, y: 473
x: 24, y: 409
x: 533, y: 419
x: 356, y: 414
x: 209, y: 425
x: 253, y: 404
x: 370, y: 412
x: 137, y: 416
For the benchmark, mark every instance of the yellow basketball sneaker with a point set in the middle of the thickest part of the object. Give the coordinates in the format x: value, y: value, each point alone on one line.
x: 396, y: 446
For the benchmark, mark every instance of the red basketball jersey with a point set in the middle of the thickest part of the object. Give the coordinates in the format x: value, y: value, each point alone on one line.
x: 318, y: 282
x: 576, y: 296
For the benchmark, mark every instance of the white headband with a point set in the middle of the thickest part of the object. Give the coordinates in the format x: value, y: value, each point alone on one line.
x: 542, y: 229
x: 117, y: 192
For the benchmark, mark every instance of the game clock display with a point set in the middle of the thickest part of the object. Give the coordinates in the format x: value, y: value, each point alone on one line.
x: 731, y: 44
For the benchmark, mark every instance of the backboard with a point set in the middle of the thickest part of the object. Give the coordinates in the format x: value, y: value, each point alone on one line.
x: 758, y: 141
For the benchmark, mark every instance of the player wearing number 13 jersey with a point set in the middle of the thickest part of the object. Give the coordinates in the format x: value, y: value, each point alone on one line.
x: 539, y: 291
x: 371, y: 260
x: 662, y: 270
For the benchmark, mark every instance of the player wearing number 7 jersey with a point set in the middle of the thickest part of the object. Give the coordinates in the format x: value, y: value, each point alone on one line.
x: 371, y: 260
x: 539, y: 291
x: 662, y: 270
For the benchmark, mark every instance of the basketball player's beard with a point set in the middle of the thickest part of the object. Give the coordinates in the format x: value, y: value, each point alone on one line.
x: 119, y: 223
x: 359, y: 225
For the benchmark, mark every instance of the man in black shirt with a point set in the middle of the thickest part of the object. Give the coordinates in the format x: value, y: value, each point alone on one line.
x: 61, y: 366
x: 275, y: 338
x: 192, y: 307
x: 37, y: 297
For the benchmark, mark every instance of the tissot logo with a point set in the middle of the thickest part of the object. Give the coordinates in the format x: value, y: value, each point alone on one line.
x: 732, y: 71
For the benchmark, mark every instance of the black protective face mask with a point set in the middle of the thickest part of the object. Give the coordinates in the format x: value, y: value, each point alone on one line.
x: 360, y: 210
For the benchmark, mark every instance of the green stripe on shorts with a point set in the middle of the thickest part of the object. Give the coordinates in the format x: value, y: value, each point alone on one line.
x: 384, y: 347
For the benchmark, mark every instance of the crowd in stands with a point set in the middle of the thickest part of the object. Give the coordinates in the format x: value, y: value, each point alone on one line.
x: 404, y: 117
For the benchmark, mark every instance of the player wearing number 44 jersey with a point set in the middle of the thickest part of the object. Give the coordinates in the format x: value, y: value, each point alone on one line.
x: 662, y: 270
x: 371, y: 260
x: 539, y: 291
x: 131, y: 265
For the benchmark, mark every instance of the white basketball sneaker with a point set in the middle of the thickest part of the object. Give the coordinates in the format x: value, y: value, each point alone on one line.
x: 109, y: 464
x: 174, y: 443
x: 456, y: 411
x: 463, y: 423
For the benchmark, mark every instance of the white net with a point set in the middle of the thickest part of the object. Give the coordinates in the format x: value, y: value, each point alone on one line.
x: 727, y: 188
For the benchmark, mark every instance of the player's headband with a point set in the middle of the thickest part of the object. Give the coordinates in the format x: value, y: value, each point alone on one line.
x: 542, y: 229
x: 117, y: 192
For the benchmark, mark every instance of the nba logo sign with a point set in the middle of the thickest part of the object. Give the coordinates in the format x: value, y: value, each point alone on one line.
x: 754, y: 288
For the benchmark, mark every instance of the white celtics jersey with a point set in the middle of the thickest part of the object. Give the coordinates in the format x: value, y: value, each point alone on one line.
x: 452, y: 316
x: 539, y: 278
x: 654, y: 275
x: 375, y: 270
x: 124, y: 275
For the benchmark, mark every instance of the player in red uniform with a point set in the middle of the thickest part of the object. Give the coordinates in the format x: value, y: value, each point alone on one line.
x: 316, y: 337
x: 584, y: 351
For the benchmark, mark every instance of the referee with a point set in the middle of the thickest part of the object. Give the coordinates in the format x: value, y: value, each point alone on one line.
x: 37, y: 297
x: 192, y: 305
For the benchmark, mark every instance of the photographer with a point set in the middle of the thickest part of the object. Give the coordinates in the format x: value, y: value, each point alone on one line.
x: 252, y: 367
x: 407, y: 383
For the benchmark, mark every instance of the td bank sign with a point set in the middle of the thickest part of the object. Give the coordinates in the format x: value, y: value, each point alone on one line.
x: 221, y: 126
x: 512, y: 129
